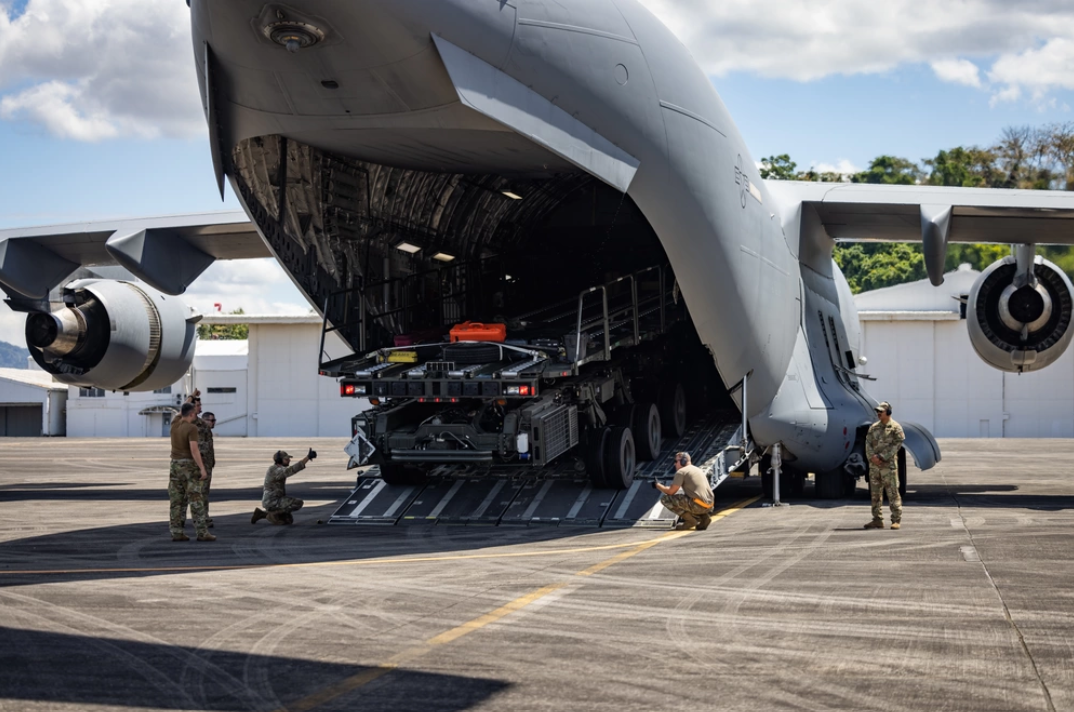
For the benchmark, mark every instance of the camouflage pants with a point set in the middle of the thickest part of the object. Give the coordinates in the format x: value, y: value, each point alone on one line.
x: 881, y: 481
x: 207, y: 482
x: 284, y: 505
x: 683, y: 504
x: 185, y: 486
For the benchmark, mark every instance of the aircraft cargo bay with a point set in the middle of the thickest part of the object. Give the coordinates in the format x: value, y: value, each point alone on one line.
x: 965, y: 608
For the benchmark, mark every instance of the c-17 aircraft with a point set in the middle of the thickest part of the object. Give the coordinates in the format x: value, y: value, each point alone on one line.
x: 416, y: 163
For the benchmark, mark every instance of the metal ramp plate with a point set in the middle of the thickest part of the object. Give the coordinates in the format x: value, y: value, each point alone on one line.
x: 639, y: 506
x: 566, y: 502
x: 461, y: 501
x: 374, y: 501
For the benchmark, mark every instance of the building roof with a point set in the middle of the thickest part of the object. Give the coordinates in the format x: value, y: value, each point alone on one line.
x: 919, y: 296
x: 31, y: 377
x: 261, y: 319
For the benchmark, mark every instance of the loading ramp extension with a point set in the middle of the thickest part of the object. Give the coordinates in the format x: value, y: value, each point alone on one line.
x: 557, y: 495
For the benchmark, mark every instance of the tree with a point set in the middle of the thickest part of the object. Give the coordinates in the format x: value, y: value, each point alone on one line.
x: 964, y: 168
x: 890, y: 170
x: 237, y: 332
x: 879, y: 264
x: 779, y: 167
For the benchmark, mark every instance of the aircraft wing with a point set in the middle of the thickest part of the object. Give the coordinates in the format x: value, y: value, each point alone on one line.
x: 166, y: 252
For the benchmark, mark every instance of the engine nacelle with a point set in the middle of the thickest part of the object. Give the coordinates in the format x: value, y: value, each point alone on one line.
x: 114, y: 335
x: 1020, y: 324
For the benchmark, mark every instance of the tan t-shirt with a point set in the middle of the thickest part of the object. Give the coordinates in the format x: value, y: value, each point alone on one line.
x: 694, y: 483
x: 183, y: 433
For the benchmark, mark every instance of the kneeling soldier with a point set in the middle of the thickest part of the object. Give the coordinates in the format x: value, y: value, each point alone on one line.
x: 278, y: 506
x: 694, y: 504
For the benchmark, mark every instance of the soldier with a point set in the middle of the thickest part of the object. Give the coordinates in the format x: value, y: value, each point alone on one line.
x: 278, y: 506
x: 205, y: 424
x: 186, y: 477
x: 882, y: 444
x: 694, y: 504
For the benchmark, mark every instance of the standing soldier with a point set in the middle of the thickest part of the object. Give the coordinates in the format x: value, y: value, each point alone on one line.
x: 205, y: 424
x: 186, y: 477
x: 278, y: 506
x: 882, y: 444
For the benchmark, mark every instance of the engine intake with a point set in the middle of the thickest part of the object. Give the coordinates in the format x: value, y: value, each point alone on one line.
x: 1022, y: 324
x: 114, y: 335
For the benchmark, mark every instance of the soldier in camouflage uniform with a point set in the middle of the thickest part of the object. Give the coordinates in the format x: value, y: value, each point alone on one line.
x: 882, y: 444
x: 186, y: 478
x: 278, y: 506
x: 205, y: 423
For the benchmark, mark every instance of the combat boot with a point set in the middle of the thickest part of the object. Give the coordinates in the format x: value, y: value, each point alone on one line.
x: 689, y: 523
x: 206, y: 537
x: 259, y: 514
x: 180, y: 537
x: 704, y: 521
x: 895, y: 525
x: 875, y: 524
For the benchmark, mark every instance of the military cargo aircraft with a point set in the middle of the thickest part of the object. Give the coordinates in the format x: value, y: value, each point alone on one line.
x: 418, y: 163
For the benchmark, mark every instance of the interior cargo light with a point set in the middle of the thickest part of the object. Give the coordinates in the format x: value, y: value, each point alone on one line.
x: 408, y: 247
x: 443, y: 257
x: 512, y: 196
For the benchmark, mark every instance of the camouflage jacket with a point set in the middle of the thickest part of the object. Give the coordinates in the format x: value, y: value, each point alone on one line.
x: 884, y: 441
x: 205, y: 443
x: 276, y: 483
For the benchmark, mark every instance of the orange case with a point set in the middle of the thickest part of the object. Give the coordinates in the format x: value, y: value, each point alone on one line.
x: 476, y: 331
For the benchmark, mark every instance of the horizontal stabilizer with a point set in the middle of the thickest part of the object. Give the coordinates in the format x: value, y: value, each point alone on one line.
x: 489, y: 91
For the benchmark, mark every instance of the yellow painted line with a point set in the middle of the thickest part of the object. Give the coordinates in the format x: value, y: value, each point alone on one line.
x: 366, y: 562
x: 363, y: 678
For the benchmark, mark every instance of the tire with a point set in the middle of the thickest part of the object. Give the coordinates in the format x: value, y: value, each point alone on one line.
x: 401, y: 475
x: 623, y: 415
x: 620, y: 458
x: 673, y: 411
x: 830, y: 485
x: 594, y: 456
x: 901, y: 460
x: 471, y: 353
x: 647, y: 429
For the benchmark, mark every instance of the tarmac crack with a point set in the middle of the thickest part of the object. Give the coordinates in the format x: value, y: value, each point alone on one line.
x: 999, y: 595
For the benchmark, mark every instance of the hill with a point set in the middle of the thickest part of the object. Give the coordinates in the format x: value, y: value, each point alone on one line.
x: 12, y: 356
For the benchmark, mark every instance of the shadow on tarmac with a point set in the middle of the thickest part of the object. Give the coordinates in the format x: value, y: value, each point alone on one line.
x: 37, y: 666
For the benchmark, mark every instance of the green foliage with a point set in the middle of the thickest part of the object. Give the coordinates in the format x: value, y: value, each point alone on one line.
x: 225, y: 331
x: 872, y: 265
x: 779, y: 167
x: 890, y: 170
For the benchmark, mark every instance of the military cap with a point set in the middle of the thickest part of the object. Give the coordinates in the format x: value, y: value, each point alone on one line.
x: 883, y: 407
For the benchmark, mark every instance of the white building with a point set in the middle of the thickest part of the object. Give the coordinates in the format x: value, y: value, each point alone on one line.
x: 920, y: 354
x: 31, y: 404
x: 266, y: 386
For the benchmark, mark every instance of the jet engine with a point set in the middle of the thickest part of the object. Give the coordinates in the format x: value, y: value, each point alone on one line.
x: 1019, y: 312
x: 114, y: 335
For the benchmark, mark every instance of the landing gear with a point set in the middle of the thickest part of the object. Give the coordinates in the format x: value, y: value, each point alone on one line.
x: 831, y: 484
x: 394, y: 473
x: 901, y: 461
x: 791, y: 482
x: 646, y: 427
x: 673, y: 410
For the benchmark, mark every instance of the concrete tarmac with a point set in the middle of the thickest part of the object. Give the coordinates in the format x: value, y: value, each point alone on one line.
x: 969, y: 607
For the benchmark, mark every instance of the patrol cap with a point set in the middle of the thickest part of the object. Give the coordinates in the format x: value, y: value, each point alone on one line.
x: 280, y: 456
x: 883, y: 407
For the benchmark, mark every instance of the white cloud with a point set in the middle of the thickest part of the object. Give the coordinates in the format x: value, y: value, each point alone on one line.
x: 957, y: 71
x: 1031, y: 45
x: 97, y: 69
x: 255, y: 286
x: 842, y: 166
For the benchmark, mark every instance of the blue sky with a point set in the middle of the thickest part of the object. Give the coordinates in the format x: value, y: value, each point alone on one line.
x: 93, y: 128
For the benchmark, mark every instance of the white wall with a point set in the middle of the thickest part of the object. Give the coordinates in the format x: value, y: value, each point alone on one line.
x: 931, y: 375
x: 51, y: 402
x: 116, y: 415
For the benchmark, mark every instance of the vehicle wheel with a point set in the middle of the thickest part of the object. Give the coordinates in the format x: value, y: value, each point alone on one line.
x: 594, y: 456
x: 647, y: 431
x: 830, y: 485
x: 901, y: 460
x: 620, y: 458
x: 397, y: 474
x: 623, y: 415
x: 673, y: 411
x: 471, y: 353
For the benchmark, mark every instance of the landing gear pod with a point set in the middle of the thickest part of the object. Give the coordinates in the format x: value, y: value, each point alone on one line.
x: 114, y: 335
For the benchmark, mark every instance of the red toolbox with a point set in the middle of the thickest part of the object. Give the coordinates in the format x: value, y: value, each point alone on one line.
x: 476, y: 331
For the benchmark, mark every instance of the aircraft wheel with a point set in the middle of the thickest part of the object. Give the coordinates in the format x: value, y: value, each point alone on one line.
x: 647, y: 430
x: 620, y: 458
x: 901, y: 460
x: 594, y: 456
x: 830, y: 485
x: 673, y: 410
x: 394, y: 473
